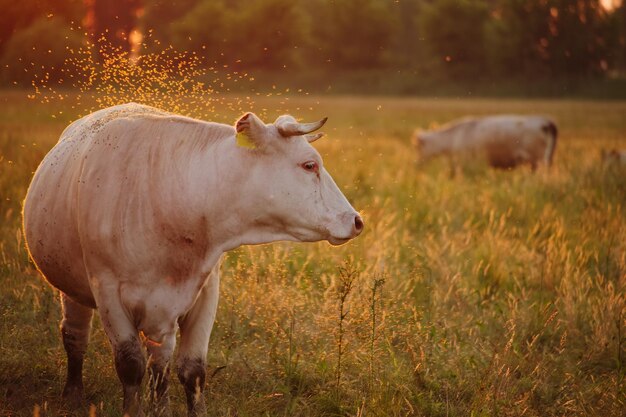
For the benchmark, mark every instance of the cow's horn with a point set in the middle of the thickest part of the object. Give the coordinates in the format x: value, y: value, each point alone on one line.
x: 292, y: 128
x: 312, y: 138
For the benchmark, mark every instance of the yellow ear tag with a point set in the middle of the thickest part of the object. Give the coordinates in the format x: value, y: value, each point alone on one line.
x: 244, y: 141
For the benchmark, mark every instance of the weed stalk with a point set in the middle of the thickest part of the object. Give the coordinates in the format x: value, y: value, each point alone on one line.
x: 376, y: 294
x: 347, y: 276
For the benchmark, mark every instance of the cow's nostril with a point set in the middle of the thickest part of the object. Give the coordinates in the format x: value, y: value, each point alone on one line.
x: 358, y: 223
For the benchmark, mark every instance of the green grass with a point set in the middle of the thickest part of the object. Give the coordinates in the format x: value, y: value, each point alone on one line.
x: 503, y: 292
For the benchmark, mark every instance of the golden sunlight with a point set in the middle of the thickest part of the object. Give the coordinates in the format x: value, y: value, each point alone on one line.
x: 479, y: 145
x: 611, y: 4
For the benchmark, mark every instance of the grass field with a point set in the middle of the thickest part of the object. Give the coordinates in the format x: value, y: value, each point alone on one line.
x: 489, y: 294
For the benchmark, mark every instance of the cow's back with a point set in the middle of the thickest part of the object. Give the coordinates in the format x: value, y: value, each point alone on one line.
x: 50, y: 210
x: 509, y: 140
x: 67, y: 186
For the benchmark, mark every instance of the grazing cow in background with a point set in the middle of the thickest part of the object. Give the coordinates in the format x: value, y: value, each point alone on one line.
x: 504, y: 141
x: 614, y: 157
x: 131, y: 211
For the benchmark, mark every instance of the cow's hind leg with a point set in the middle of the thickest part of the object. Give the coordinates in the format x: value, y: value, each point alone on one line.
x: 195, y: 330
x: 75, y: 328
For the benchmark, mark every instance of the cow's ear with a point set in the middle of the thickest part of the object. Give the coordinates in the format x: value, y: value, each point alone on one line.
x: 251, y: 131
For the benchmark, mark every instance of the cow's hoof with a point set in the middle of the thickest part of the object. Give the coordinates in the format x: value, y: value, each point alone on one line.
x: 161, y: 408
x: 199, y: 408
x: 134, y: 412
x: 163, y: 412
x: 73, y: 396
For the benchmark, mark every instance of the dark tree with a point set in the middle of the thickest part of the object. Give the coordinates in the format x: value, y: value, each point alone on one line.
x: 159, y: 16
x: 454, y: 31
x: 550, y: 38
x: 354, y: 34
x: 17, y: 15
x: 111, y: 22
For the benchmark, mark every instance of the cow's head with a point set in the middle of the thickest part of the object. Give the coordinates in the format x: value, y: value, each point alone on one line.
x: 294, y: 197
x: 610, y: 156
x: 425, y: 145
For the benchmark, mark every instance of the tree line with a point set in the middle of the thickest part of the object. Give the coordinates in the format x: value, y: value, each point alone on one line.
x: 443, y: 39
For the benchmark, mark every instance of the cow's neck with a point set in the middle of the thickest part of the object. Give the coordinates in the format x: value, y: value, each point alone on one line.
x: 230, y: 214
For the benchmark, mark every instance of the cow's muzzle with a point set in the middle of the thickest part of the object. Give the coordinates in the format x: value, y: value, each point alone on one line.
x: 356, y: 227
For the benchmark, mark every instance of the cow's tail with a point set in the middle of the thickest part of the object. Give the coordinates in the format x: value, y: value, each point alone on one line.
x: 551, y: 130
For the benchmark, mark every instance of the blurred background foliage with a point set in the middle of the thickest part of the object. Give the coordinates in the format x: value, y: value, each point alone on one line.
x: 317, y: 41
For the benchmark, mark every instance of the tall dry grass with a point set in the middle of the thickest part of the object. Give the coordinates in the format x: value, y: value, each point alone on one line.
x: 490, y: 294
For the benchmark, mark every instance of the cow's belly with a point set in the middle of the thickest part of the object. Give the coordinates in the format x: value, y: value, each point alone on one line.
x: 50, y: 225
x: 60, y: 262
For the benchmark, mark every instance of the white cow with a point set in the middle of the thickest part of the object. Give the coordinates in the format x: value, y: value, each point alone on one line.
x: 614, y: 156
x: 505, y: 141
x: 131, y: 210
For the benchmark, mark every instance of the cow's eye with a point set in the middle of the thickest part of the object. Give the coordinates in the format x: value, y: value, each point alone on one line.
x: 311, y: 166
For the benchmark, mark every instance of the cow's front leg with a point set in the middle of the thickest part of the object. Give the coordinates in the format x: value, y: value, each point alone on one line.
x: 195, y: 330
x: 130, y: 364
x: 130, y: 361
x: 453, y: 166
x: 159, y: 355
x: 75, y: 328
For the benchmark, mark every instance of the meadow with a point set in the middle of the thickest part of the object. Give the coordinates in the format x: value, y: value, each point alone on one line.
x: 493, y: 293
